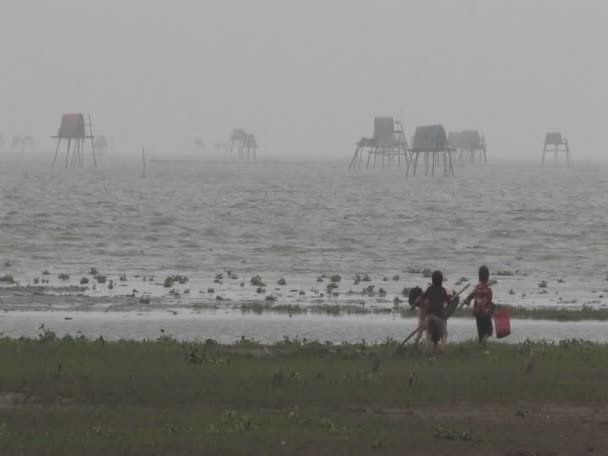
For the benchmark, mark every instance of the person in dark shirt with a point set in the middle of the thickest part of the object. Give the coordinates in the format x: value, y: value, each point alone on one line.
x: 433, y: 302
x: 483, y: 306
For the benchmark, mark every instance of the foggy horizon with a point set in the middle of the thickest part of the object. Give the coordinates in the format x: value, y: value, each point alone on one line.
x: 307, y: 79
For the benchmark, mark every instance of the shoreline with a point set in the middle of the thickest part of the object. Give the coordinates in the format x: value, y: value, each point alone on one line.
x: 228, y: 326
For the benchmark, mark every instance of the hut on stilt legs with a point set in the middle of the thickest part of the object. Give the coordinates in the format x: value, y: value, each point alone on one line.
x: 221, y: 149
x: 244, y: 144
x: 388, y: 145
x: 555, y: 143
x: 470, y: 147
x: 73, y: 131
x: 199, y: 145
x: 432, y: 143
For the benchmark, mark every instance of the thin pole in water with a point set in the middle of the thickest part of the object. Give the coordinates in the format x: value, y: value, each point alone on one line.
x: 143, y: 161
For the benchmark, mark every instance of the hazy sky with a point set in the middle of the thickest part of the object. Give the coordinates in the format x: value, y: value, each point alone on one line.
x: 307, y: 76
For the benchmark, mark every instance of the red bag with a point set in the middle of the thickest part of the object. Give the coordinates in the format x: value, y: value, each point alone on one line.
x: 502, y: 323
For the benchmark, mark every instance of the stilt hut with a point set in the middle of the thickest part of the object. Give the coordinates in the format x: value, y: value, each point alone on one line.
x: 555, y: 143
x: 250, y: 147
x: 199, y: 144
x: 73, y: 131
x: 28, y: 143
x: 470, y: 147
x: 388, y: 145
x: 221, y: 148
x: 17, y: 144
x: 432, y: 143
x: 244, y: 143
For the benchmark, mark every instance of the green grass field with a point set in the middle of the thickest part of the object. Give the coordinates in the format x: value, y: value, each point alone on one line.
x: 72, y: 396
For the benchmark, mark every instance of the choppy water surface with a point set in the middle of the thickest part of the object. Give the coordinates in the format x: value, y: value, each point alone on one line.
x: 298, y: 221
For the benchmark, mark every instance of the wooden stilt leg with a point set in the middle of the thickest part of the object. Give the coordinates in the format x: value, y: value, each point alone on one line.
x: 56, y: 151
x: 67, y: 152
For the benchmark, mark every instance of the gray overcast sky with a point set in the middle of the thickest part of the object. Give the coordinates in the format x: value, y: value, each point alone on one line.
x: 307, y: 76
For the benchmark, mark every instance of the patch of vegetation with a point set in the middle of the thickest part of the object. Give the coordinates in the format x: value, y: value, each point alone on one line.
x: 282, y: 282
x: 63, y: 276
x: 257, y: 281
x: 171, y: 280
x: 7, y: 279
x: 331, y: 286
x: 298, y: 396
x: 84, y: 281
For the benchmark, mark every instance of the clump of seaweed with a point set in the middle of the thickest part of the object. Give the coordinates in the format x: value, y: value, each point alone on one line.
x: 92, y: 271
x: 331, y: 286
x: 63, y: 276
x: 171, y: 280
x: 84, y: 281
x: 46, y: 272
x: 123, y: 277
x: 396, y: 278
x: 461, y: 281
x: 282, y: 281
x: 361, y: 278
x: 368, y: 291
x: 100, y: 278
x: 335, y: 278
x: 257, y: 281
x: 7, y: 278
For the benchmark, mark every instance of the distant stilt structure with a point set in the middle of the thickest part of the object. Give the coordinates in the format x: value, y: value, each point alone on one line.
x: 470, y: 147
x: 432, y: 142
x: 556, y: 144
x: 221, y: 149
x: 28, y: 143
x: 199, y: 145
x: 388, y: 144
x: 73, y: 129
x: 249, y: 150
x: 17, y: 144
x: 22, y: 144
x: 244, y: 143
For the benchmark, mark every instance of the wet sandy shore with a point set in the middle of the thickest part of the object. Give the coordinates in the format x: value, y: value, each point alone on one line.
x: 227, y: 326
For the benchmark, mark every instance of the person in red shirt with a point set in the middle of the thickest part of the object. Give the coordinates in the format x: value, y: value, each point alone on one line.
x: 483, y: 306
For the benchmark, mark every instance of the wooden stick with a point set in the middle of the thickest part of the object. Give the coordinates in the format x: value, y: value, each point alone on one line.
x: 143, y: 161
x: 422, y: 326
